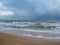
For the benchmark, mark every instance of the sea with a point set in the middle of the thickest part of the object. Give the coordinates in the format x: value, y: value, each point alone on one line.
x: 41, y: 29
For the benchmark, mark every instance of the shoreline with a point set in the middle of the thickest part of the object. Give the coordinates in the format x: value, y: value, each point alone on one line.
x: 30, y: 33
x: 9, y: 39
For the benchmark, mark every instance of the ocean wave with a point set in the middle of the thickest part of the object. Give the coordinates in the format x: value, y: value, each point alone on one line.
x: 31, y: 25
x: 33, y: 33
x: 29, y: 28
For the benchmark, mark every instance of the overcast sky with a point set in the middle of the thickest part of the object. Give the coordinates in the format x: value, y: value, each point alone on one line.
x: 27, y: 9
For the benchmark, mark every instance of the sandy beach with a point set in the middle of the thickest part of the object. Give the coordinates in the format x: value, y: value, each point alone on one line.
x: 8, y: 39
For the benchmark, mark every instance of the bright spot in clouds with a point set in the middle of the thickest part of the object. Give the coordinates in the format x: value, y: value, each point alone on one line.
x: 6, y: 13
x: 1, y: 4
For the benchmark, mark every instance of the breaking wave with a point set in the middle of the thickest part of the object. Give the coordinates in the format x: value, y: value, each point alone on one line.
x: 32, y: 28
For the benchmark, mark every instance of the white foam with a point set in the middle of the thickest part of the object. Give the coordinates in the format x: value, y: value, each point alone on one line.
x: 23, y: 24
x: 47, y: 31
x: 25, y: 34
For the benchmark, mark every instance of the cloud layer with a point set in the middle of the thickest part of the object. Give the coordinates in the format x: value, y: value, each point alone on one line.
x: 43, y: 6
x: 28, y: 9
x: 4, y: 10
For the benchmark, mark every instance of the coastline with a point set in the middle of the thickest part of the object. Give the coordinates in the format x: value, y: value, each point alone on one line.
x: 8, y: 39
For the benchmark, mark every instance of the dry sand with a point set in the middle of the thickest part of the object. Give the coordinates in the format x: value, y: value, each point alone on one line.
x: 8, y: 39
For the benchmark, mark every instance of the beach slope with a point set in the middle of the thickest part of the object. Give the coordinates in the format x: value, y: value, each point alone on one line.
x: 8, y: 39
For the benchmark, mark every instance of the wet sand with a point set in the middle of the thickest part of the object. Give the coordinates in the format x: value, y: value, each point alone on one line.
x: 8, y: 39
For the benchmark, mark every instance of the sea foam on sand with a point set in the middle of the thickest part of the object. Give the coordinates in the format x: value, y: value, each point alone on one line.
x: 32, y: 33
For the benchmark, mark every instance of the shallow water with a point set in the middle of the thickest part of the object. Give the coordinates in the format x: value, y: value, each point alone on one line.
x: 46, y: 29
